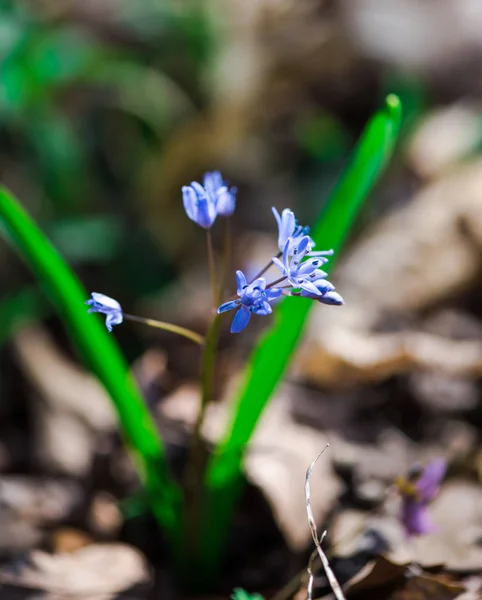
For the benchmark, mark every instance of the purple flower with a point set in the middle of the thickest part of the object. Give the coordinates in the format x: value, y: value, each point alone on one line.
x: 107, y: 306
x: 225, y: 198
x: 417, y: 491
x: 253, y: 298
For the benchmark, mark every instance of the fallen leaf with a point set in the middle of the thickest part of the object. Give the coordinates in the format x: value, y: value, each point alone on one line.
x: 99, y: 571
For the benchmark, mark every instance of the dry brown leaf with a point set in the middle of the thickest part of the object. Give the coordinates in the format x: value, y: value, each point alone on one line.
x: 94, y: 571
x: 443, y: 138
x: 402, y: 266
x: 73, y: 407
x: 457, y: 513
x: 454, y: 545
x: 277, y: 459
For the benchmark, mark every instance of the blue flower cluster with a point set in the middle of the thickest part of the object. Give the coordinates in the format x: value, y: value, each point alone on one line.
x: 301, y: 275
x: 299, y: 264
x: 254, y: 297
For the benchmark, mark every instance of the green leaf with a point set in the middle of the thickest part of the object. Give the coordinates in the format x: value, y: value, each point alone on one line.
x: 272, y: 354
x: 101, y: 352
x: 240, y: 594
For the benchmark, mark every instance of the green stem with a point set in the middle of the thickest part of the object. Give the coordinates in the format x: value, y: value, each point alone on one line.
x: 224, y: 482
x: 197, y: 459
x: 212, y: 266
x: 226, y: 258
x: 177, y: 329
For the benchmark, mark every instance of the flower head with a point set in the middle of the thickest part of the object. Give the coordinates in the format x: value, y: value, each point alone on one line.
x: 107, y: 306
x: 288, y: 228
x: 253, y: 298
x: 304, y: 274
x: 418, y: 489
x: 200, y: 206
x: 225, y: 198
x: 203, y: 203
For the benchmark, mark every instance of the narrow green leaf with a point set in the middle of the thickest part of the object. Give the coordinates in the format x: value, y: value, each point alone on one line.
x: 271, y: 355
x: 102, y: 354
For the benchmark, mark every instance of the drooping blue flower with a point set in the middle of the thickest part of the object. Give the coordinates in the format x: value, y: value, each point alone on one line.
x: 225, y: 198
x: 288, y: 228
x: 108, y: 306
x: 200, y: 206
x: 253, y: 298
x: 417, y: 491
x: 303, y: 274
x: 203, y: 203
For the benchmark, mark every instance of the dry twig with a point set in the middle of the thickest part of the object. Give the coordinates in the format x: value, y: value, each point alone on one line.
x: 332, y: 580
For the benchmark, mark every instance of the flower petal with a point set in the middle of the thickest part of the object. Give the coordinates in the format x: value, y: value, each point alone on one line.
x: 276, y: 261
x: 309, y: 287
x: 241, y: 282
x: 113, y: 318
x: 241, y: 320
x: 273, y: 294
x: 226, y: 201
x: 189, y: 200
x: 332, y: 298
x: 263, y: 308
x: 276, y: 216
x: 105, y: 301
x: 259, y: 283
x: 414, y: 517
x: 429, y: 482
x: 286, y: 228
x: 206, y: 212
x: 228, y: 306
x: 309, y: 266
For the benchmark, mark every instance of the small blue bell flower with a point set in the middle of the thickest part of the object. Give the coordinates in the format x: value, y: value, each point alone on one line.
x: 288, y: 228
x: 200, y: 206
x: 203, y: 203
x: 108, y: 306
x: 225, y: 198
x: 302, y: 274
x: 253, y: 298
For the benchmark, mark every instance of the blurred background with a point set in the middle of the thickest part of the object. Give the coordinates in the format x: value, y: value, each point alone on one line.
x: 108, y: 107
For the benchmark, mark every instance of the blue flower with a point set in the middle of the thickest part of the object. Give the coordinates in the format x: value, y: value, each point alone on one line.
x: 203, y: 203
x: 304, y: 274
x: 253, y: 298
x: 225, y: 198
x: 200, y: 206
x: 288, y: 228
x: 107, y: 306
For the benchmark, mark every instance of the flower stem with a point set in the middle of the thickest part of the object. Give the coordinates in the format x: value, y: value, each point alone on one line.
x: 197, y: 459
x: 212, y: 266
x: 226, y: 258
x: 183, y: 331
x: 273, y: 283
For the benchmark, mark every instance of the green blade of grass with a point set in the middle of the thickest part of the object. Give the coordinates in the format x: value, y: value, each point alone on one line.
x: 101, y: 352
x: 272, y: 354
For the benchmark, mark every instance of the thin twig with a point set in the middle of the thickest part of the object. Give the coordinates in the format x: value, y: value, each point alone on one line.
x: 332, y: 580
x: 171, y: 327
x: 226, y: 259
